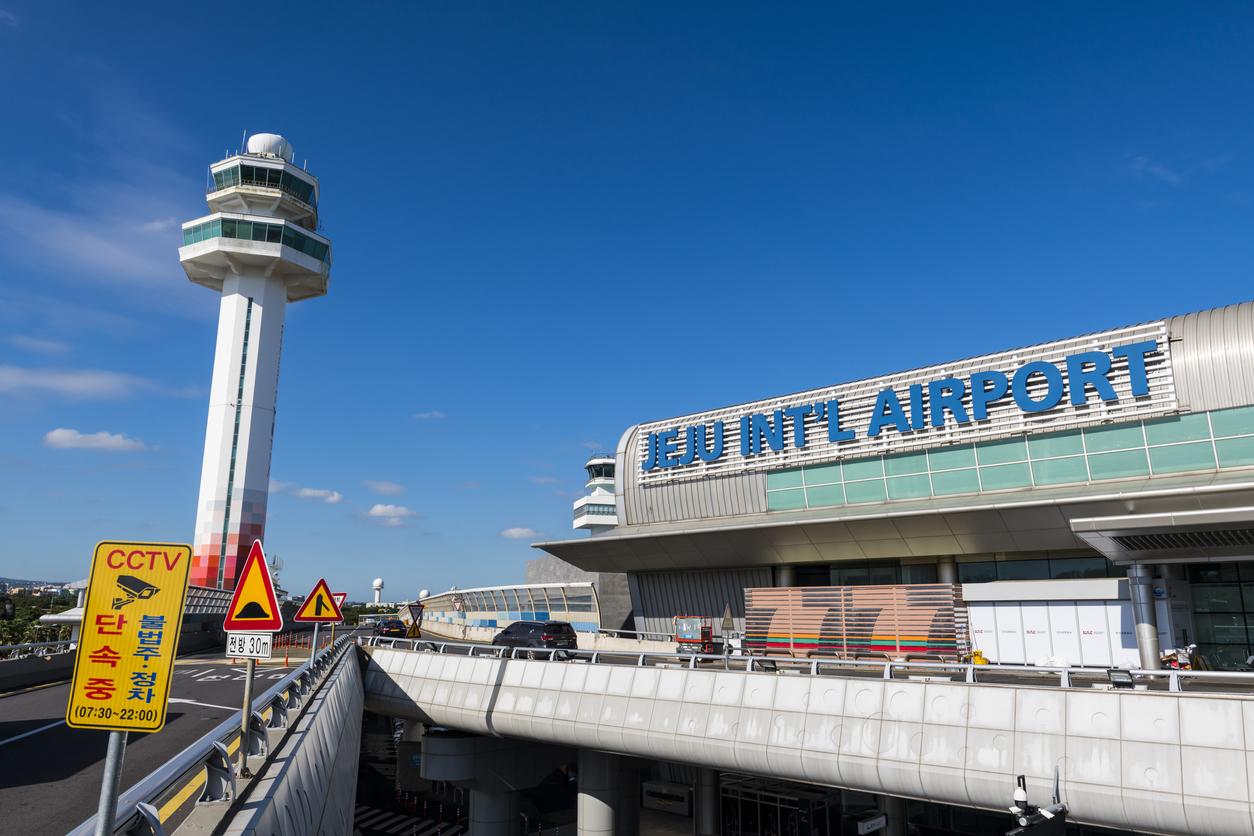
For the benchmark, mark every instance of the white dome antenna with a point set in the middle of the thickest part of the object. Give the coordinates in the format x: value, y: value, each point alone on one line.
x: 270, y: 145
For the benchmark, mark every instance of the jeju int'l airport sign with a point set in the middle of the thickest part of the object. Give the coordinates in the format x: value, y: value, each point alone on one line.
x: 1115, y: 375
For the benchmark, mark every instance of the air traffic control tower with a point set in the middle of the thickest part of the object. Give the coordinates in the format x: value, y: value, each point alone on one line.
x: 260, y: 249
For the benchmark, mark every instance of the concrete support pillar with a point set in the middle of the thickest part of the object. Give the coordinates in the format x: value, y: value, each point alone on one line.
x: 708, y: 804
x: 946, y: 570
x: 596, y: 802
x: 494, y: 813
x: 1141, y: 589
x: 894, y: 809
x: 785, y: 575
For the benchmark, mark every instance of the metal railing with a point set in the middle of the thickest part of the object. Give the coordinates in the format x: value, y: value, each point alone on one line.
x: 136, y: 806
x: 19, y: 651
x: 1022, y: 675
x: 643, y: 635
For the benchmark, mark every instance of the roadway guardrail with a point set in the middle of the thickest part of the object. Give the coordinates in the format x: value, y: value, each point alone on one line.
x: 1170, y: 679
x: 19, y: 651
x: 286, y: 699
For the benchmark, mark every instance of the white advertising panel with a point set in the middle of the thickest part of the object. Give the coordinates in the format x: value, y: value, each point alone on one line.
x: 1064, y: 632
x: 1009, y: 633
x: 983, y: 621
x: 1095, y: 650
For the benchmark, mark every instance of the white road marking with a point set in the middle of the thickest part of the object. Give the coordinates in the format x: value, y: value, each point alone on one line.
x: 32, y: 731
x: 203, y: 704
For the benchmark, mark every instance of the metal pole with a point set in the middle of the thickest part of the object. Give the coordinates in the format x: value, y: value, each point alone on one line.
x: 245, y: 715
x: 109, y: 784
x: 313, y: 651
x: 1141, y: 590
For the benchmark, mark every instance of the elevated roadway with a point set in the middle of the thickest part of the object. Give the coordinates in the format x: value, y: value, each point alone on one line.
x: 1157, y: 761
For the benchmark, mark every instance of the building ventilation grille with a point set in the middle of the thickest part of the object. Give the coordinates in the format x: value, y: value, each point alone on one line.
x: 1225, y: 538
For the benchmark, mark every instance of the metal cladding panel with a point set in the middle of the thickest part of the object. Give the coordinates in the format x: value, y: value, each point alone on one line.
x: 657, y: 597
x: 722, y: 496
x: 1212, y: 353
x: 897, y: 621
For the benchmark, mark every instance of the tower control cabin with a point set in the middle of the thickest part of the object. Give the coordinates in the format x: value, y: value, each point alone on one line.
x: 258, y: 247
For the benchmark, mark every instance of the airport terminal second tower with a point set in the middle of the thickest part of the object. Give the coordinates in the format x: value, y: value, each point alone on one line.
x: 260, y: 249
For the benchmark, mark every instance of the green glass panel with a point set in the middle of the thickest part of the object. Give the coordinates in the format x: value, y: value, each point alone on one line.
x: 825, y: 495
x: 244, y: 229
x: 1060, y: 471
x: 1056, y: 444
x: 786, y: 500
x: 228, y: 228
x: 1000, y: 452
x: 1177, y: 428
x: 955, y: 481
x: 1079, y: 567
x: 1002, y: 476
x: 869, y: 491
x: 1117, y: 437
x: 783, y: 479
x: 1196, y: 456
x: 822, y: 474
x: 864, y: 469
x: 982, y: 572
x: 909, y: 487
x: 1022, y: 570
x: 1118, y: 465
x: 1235, y: 452
x: 1239, y: 421
x: 948, y: 458
x: 906, y: 464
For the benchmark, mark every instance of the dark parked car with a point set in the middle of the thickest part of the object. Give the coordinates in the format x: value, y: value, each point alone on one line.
x: 392, y: 629
x: 538, y: 634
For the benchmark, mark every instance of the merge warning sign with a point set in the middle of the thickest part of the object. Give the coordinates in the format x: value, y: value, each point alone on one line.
x: 129, y: 638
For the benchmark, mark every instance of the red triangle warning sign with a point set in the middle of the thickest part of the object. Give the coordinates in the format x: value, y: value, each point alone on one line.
x: 254, y: 607
x: 320, y: 606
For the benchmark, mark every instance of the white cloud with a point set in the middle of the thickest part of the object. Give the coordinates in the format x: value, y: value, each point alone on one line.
x: 38, y: 345
x: 384, y: 487
x: 429, y: 416
x: 1147, y: 168
x: 544, y: 480
x: 594, y: 446
x: 72, y: 383
x: 159, y: 225
x: 390, y: 515
x: 67, y: 439
x: 327, y: 496
x: 7, y: 18
x: 519, y: 533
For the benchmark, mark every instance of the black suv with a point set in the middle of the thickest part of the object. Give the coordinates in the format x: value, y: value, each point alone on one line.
x: 537, y: 634
x: 391, y: 628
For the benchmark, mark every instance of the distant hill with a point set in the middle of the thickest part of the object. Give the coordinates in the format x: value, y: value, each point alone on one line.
x: 22, y: 582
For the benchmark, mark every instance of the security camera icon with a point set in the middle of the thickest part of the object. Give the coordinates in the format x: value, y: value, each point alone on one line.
x: 132, y: 589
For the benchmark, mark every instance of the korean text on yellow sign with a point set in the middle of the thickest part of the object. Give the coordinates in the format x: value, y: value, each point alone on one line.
x: 130, y: 634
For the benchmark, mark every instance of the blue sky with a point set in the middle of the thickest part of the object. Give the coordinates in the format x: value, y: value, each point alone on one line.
x: 554, y: 220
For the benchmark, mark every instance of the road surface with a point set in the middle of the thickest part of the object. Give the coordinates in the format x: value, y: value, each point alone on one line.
x: 50, y: 774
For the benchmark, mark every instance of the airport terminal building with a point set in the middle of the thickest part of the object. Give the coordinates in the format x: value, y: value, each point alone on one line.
x: 1082, y: 491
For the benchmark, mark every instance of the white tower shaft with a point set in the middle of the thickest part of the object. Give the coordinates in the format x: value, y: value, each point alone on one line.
x: 235, y: 474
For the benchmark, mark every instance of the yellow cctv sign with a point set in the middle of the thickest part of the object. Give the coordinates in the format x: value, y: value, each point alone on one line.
x: 130, y: 635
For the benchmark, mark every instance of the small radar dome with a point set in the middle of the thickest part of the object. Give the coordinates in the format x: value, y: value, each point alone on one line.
x: 271, y: 145
x: 377, y: 583
x: 423, y: 593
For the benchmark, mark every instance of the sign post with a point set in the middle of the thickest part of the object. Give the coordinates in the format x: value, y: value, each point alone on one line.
x: 320, y: 608
x: 132, y: 616
x: 253, y: 611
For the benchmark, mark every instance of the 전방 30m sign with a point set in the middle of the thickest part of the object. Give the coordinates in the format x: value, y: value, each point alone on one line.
x: 249, y: 645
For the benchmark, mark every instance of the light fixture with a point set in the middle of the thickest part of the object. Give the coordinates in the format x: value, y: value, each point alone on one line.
x: 1120, y: 678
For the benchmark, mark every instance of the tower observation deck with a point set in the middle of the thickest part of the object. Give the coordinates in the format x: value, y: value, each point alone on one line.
x: 259, y: 247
